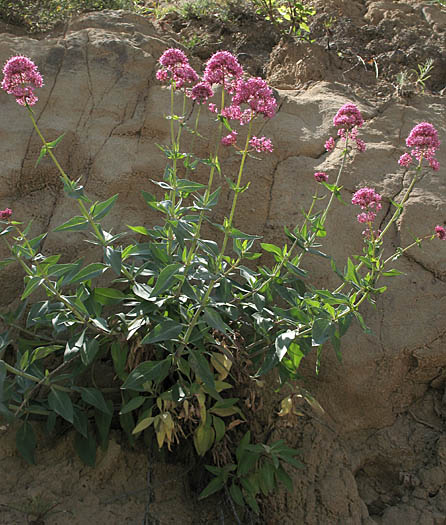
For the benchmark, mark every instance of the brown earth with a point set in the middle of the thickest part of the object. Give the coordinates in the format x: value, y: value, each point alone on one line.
x: 376, y: 452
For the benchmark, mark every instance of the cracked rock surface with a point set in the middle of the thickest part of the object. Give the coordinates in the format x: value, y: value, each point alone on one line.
x: 378, y: 455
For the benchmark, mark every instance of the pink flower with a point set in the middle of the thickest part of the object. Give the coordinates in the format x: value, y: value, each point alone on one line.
x: 348, y: 117
x: 360, y: 145
x: 367, y: 233
x: 184, y: 75
x: 5, y: 214
x: 405, y: 160
x: 261, y: 144
x: 440, y: 232
x: 434, y: 164
x: 330, y: 144
x: 175, y: 65
x: 201, y: 92
x: 212, y: 108
x: 256, y: 93
x: 365, y: 217
x: 232, y: 112
x: 222, y: 68
x: 162, y: 75
x: 172, y: 58
x: 21, y: 77
x: 230, y: 139
x: 423, y: 139
x: 367, y: 198
x: 423, y: 136
x: 321, y: 176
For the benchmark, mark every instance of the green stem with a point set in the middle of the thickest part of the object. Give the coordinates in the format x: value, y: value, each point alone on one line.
x: 236, y: 192
x: 84, y: 210
x: 394, y: 217
x: 49, y: 285
x: 207, y: 192
x: 203, y: 304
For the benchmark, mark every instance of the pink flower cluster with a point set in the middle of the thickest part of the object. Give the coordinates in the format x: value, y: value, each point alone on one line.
x: 175, y: 66
x: 230, y: 139
x: 321, y: 176
x: 261, y: 144
x: 5, y: 214
x: 440, y: 232
x: 222, y: 68
x: 256, y: 93
x: 348, y: 119
x: 21, y: 77
x: 423, y: 139
x: 368, y: 200
x: 201, y: 92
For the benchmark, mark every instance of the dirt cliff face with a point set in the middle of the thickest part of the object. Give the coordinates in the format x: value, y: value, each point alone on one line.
x: 377, y: 451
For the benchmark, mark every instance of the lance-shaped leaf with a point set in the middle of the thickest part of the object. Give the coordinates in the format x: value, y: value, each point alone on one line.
x: 164, y: 331
x: 60, y: 402
x: 165, y: 279
x: 26, y: 442
x: 147, y: 371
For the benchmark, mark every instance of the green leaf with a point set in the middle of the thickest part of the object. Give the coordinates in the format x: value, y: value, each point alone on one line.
x: 80, y: 422
x: 215, y: 320
x: 43, y: 351
x: 188, y: 186
x: 75, y: 345
x: 89, y: 272
x: 143, y: 424
x: 103, y: 421
x: 89, y: 351
x: 26, y: 442
x: 139, y: 229
x: 164, y: 331
x: 283, y: 476
x: 113, y: 257
x: 94, y: 397
x: 165, y: 279
x: 250, y: 497
x: 237, y: 234
x: 106, y: 296
x: 391, y: 273
x: 100, y: 209
x: 322, y: 330
x: 60, y: 402
x: 31, y: 285
x: 148, y: 371
x: 275, y: 355
x: 119, y: 354
x: 133, y: 404
x: 2, y: 379
x: 272, y: 248
x: 86, y: 448
x: 213, y: 486
x: 75, y: 224
x: 127, y: 424
x: 219, y: 427
x: 236, y: 494
x: 200, y: 366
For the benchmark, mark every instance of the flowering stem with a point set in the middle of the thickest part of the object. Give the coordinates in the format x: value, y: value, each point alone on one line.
x: 338, y: 178
x: 394, y: 217
x: 237, y: 189
x: 203, y: 303
x: 207, y: 192
x: 85, y: 212
x: 48, y: 284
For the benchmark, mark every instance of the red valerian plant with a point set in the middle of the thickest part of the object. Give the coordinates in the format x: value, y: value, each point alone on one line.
x: 186, y: 323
